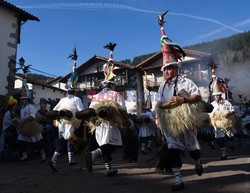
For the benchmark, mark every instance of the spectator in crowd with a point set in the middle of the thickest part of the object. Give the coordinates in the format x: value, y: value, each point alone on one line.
x: 8, y: 139
x: 146, y: 129
x: 49, y: 131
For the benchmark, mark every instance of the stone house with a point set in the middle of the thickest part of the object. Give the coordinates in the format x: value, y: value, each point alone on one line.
x: 39, y: 90
x: 11, y: 19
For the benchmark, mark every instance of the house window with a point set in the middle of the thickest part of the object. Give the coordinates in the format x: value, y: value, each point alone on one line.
x: 99, y: 69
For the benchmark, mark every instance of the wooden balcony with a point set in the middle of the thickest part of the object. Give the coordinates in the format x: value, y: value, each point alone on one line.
x: 97, y: 84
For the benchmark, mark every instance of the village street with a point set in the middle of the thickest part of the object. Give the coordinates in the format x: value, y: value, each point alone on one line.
x: 227, y: 176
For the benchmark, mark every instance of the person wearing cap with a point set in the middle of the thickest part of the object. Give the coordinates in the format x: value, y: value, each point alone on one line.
x: 107, y: 134
x: 30, y: 137
x: 67, y: 124
x: 222, y: 105
x: 8, y: 138
x: 177, y: 91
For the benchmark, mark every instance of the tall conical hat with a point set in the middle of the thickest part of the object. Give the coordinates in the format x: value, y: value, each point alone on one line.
x: 73, y: 79
x: 25, y: 93
x: 216, y: 88
x: 216, y: 84
x: 108, y: 68
x: 171, y: 52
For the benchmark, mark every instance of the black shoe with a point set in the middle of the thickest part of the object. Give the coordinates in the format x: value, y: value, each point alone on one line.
x: 111, y: 173
x: 223, y: 157
x: 199, y: 169
x: 72, y: 163
x: 88, y: 160
x: 177, y: 186
x: 51, y: 165
x: 143, y: 152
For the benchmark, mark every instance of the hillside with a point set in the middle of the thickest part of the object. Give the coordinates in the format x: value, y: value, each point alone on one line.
x: 232, y: 55
x: 236, y: 48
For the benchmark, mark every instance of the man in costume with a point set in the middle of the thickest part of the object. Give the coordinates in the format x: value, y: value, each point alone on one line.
x: 30, y: 137
x: 67, y: 122
x: 178, y: 95
x: 222, y: 118
x: 107, y: 129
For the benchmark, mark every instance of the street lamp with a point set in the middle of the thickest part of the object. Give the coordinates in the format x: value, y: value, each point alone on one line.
x: 21, y: 61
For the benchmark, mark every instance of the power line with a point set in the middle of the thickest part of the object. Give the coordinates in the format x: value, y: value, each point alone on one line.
x: 31, y: 67
x: 43, y: 72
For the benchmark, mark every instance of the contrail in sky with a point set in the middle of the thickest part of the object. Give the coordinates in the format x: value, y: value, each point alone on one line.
x: 89, y: 6
x: 241, y: 23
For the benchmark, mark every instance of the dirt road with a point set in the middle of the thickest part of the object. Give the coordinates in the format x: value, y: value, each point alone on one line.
x: 228, y: 176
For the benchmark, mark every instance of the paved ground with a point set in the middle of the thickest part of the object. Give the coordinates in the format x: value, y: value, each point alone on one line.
x: 229, y: 176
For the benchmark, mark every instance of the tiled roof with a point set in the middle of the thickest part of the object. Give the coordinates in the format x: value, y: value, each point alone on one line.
x: 23, y: 15
x: 92, y: 61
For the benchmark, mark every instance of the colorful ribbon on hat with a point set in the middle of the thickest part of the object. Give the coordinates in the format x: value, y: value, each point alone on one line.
x: 25, y: 88
x: 172, y: 52
x: 108, y: 70
x: 73, y: 79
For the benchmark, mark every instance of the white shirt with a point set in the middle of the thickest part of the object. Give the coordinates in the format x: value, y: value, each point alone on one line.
x: 70, y: 102
x: 26, y: 111
x: 107, y: 95
x: 185, y: 87
x: 106, y: 133
x: 221, y: 106
x: 147, y: 129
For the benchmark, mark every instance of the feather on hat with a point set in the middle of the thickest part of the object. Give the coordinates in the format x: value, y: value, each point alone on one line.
x: 216, y: 84
x: 73, y: 79
x: 108, y: 68
x: 25, y: 93
x: 171, y: 52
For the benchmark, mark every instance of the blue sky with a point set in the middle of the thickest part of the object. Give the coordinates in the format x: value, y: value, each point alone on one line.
x: 132, y: 24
